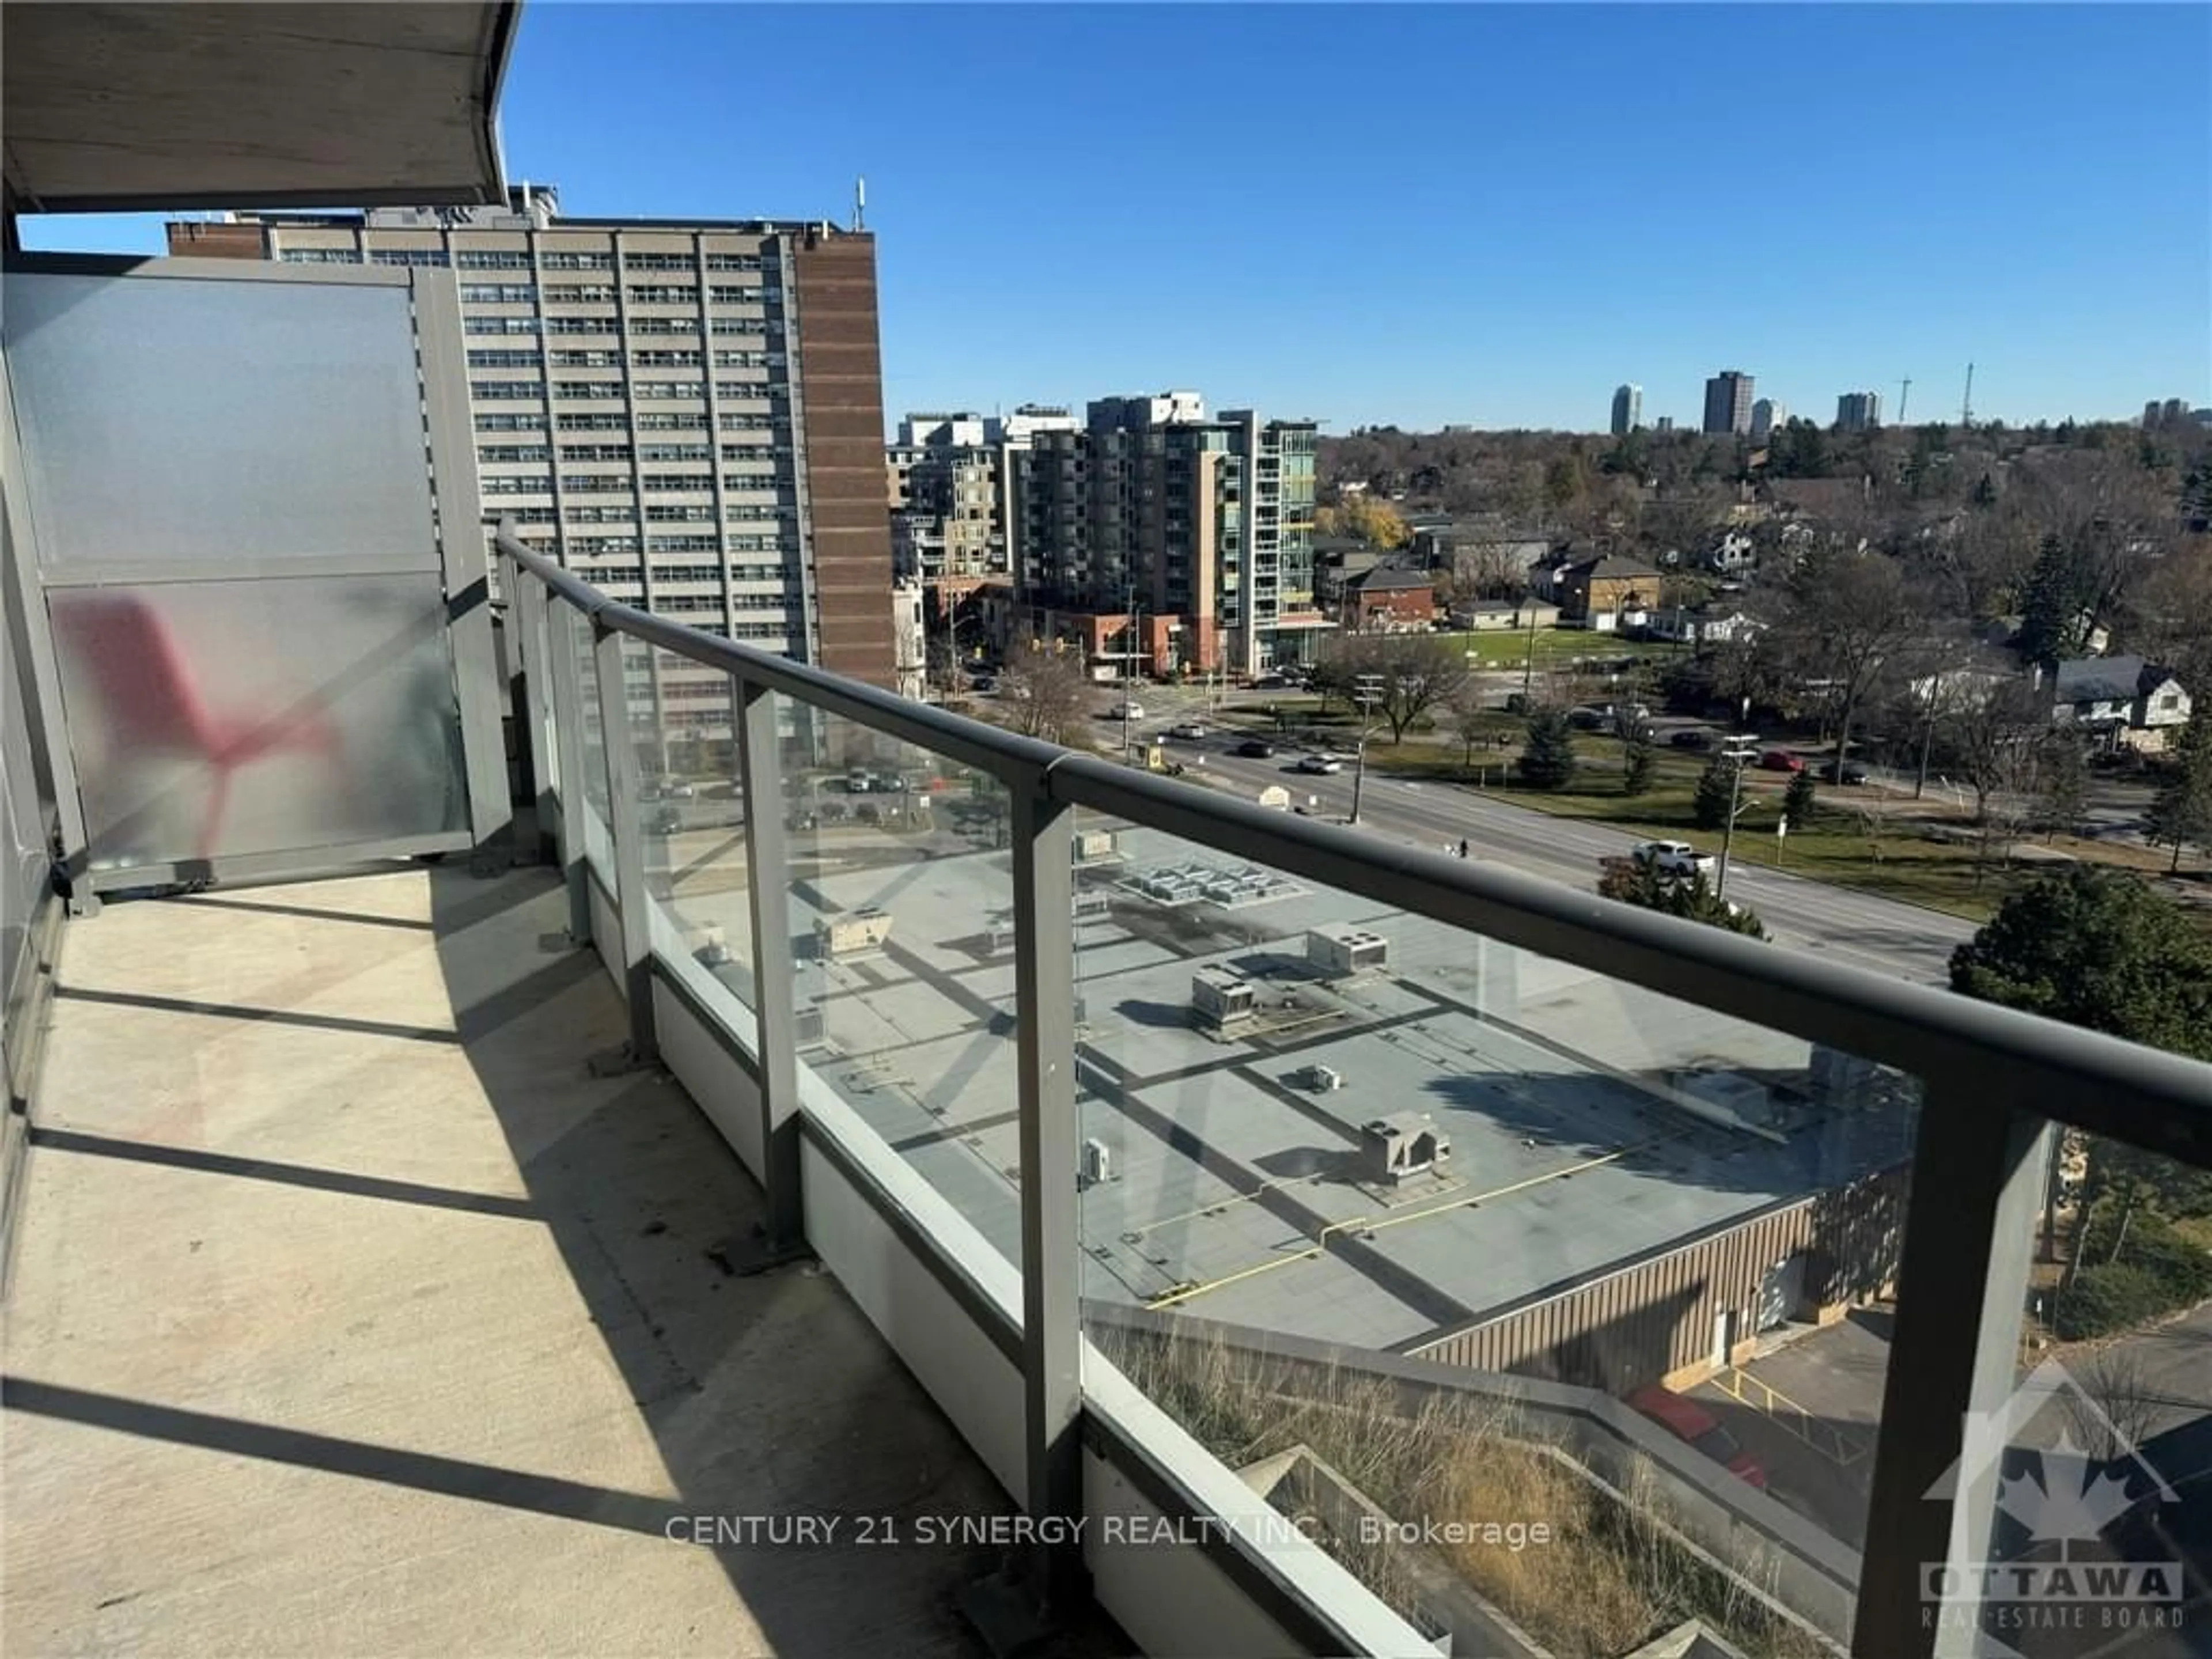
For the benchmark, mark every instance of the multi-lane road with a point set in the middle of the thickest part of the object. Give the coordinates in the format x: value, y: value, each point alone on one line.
x: 1879, y: 934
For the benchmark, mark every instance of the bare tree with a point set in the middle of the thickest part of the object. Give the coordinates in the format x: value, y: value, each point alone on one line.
x: 2118, y: 1407
x: 1848, y: 611
x: 1990, y: 730
x: 1409, y: 673
x: 1045, y: 688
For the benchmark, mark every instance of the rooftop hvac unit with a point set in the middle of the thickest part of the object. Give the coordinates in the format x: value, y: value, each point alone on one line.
x: 1321, y: 1079
x: 1396, y: 1148
x: 1342, y: 951
x: 807, y: 1028
x: 1098, y: 1162
x: 1217, y: 996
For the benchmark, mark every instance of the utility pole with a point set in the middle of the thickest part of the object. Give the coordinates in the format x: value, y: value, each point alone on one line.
x: 1928, y: 730
x: 1529, y: 664
x: 1128, y: 653
x: 1367, y: 691
x: 1903, y: 396
x: 1743, y: 749
x: 1966, y: 403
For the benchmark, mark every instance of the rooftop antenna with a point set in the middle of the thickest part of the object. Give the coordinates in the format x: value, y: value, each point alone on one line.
x: 860, y: 204
x: 1903, y: 396
x: 1966, y: 403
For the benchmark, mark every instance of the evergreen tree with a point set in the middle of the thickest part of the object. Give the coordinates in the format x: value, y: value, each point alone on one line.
x: 1716, y: 790
x: 2182, y: 812
x: 1797, y: 802
x: 2050, y: 609
x: 1547, y: 759
x: 2061, y: 781
x: 1642, y: 884
x: 1637, y: 762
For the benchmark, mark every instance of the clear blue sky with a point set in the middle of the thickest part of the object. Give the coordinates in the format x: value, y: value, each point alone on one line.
x: 1487, y: 213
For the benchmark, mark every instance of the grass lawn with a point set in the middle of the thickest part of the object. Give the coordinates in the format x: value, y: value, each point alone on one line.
x: 1555, y: 647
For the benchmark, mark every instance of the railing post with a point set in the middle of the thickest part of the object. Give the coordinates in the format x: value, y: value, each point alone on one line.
x: 782, y: 1234
x: 568, y: 743
x: 526, y: 615
x: 628, y: 830
x: 1052, y: 1579
x: 1953, y: 1362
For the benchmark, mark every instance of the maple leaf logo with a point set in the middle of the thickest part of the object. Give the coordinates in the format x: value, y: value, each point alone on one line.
x: 2070, y: 1498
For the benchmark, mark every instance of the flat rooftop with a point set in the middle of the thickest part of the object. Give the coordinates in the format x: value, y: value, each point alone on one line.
x: 351, y: 1315
x: 1591, y: 1123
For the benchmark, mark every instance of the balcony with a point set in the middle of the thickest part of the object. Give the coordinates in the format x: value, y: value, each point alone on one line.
x: 473, y: 1125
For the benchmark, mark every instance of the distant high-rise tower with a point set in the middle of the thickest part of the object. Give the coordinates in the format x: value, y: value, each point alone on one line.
x: 1766, y: 418
x: 1728, y: 401
x: 1627, y: 409
x: 1665, y: 423
x: 1858, y: 411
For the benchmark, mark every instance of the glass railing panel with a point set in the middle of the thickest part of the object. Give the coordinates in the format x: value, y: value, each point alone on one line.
x: 691, y: 811
x: 599, y: 844
x: 2086, y: 1493
x: 1643, y: 1249
x: 903, y: 946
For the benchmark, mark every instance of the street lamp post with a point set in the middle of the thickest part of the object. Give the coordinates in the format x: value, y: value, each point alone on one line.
x: 1743, y: 747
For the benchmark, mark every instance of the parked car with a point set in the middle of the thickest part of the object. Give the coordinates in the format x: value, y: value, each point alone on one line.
x: 1254, y: 749
x: 1694, y: 1425
x: 1843, y: 772
x: 665, y: 822
x: 1189, y: 731
x: 984, y: 683
x: 1589, y: 720
x: 858, y: 782
x: 1319, y: 765
x: 1781, y: 760
x: 1692, y: 736
x: 1270, y: 683
x: 1516, y: 702
x: 680, y: 790
x: 1673, y: 858
x: 1130, y: 709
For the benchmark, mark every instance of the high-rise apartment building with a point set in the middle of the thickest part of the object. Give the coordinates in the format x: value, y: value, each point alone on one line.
x: 688, y: 415
x: 1858, y: 411
x: 1665, y: 423
x: 1767, y: 416
x: 1728, y: 401
x: 1197, y: 528
x: 1627, y: 409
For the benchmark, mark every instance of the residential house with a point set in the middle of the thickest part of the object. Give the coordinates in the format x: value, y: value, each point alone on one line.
x: 1734, y: 551
x: 1498, y: 616
x: 1337, y: 560
x: 1389, y: 600
x: 1607, y: 593
x: 2123, y: 701
x: 1711, y: 626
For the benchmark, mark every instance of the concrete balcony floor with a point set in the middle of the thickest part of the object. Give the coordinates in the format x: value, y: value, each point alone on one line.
x: 351, y: 1315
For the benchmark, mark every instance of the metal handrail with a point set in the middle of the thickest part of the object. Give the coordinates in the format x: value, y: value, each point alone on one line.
x: 2159, y: 1101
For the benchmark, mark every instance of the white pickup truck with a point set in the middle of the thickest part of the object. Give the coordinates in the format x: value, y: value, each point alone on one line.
x: 1673, y: 858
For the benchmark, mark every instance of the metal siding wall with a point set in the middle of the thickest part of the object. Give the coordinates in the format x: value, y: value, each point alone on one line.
x: 1640, y: 1324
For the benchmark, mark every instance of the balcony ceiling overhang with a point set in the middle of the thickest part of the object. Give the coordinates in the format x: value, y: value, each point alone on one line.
x: 169, y: 106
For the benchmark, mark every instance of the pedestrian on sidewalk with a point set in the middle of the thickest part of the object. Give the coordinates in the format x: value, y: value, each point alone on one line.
x: 1462, y: 849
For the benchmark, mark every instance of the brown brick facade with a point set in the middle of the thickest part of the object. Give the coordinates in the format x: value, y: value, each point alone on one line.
x: 840, y: 369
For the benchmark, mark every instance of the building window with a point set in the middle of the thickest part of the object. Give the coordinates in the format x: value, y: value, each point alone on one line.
x: 320, y: 255
x: 664, y: 483
x: 585, y: 359
x: 688, y: 514
x: 733, y: 262
x: 498, y: 390
x: 587, y: 389
x: 594, y: 423
x: 594, y: 484
x: 528, y: 419
x: 489, y: 359
x: 736, y: 296
x: 594, y: 452
x: 409, y: 256
x: 662, y: 293
x: 675, y: 452
x: 657, y: 262
x: 663, y: 359
x: 522, y: 515
x: 669, y: 388
x: 581, y: 325
x: 499, y: 325
x: 503, y: 260
x: 494, y: 484
x: 515, y: 454
x: 685, y: 420
x: 685, y: 544
x: 602, y: 546
x: 740, y: 326
x: 658, y: 325
x: 597, y: 514
x: 498, y: 294
x: 571, y: 261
